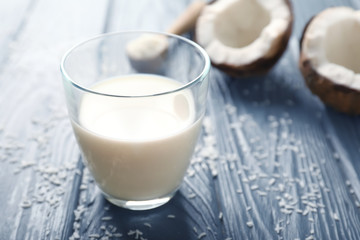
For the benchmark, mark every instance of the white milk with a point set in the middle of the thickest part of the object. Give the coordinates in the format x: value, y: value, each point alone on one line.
x: 137, y: 148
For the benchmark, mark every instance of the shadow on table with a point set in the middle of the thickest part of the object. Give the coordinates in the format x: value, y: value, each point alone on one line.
x: 170, y: 221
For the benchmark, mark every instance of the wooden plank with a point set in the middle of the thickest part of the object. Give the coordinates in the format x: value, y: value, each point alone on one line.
x: 288, y: 172
x: 286, y: 160
x: 39, y: 157
x: 12, y: 17
x: 154, y: 16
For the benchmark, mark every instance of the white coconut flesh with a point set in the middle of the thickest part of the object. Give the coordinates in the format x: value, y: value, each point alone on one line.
x: 148, y: 46
x: 146, y: 53
x: 331, y: 43
x: 238, y: 32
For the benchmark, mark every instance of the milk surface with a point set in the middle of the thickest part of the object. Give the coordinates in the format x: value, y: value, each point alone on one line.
x: 137, y: 148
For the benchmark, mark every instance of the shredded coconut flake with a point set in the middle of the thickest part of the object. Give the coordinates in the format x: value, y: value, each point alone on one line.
x: 220, y: 216
x: 26, y: 204
x: 147, y: 225
x: 106, y: 218
x: 272, y: 181
x: 201, y: 235
x: 94, y: 235
x: 250, y: 224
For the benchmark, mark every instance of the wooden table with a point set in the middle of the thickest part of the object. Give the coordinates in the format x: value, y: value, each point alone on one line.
x: 273, y: 162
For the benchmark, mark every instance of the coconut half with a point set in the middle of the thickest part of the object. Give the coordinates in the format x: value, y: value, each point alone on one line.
x: 245, y: 37
x: 330, y: 58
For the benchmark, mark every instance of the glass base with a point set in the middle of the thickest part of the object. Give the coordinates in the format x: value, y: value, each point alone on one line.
x: 140, y: 204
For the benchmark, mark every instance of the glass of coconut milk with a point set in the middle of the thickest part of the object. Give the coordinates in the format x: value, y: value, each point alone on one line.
x: 136, y: 101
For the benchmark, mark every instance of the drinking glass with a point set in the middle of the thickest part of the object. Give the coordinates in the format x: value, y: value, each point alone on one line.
x: 136, y: 101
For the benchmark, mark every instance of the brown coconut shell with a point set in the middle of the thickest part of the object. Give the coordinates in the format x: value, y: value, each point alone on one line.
x: 340, y: 97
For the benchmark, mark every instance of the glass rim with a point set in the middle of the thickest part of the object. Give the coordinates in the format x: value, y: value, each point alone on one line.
x: 203, y: 74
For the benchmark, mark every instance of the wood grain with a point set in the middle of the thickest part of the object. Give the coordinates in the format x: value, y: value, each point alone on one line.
x: 272, y: 163
x: 38, y: 153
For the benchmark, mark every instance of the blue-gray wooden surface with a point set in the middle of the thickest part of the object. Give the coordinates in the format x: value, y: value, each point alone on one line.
x: 273, y: 162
